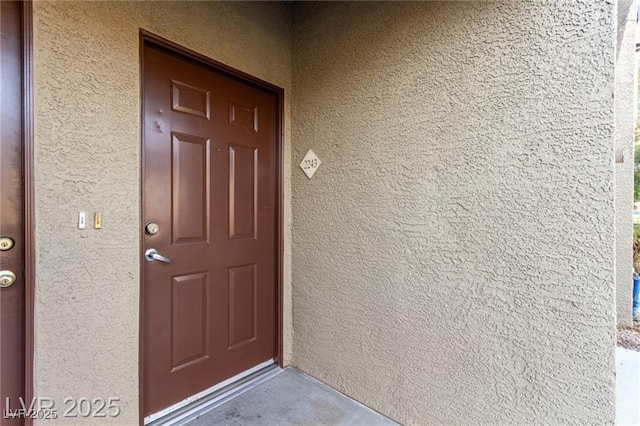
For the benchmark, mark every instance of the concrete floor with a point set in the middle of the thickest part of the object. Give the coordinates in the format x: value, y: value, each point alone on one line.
x: 628, y: 387
x: 291, y: 398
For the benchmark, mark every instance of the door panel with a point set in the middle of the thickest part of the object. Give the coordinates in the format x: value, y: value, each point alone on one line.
x: 189, y: 315
x: 12, y: 205
x: 243, y: 188
x: 190, y: 201
x: 210, y: 184
x: 243, y: 288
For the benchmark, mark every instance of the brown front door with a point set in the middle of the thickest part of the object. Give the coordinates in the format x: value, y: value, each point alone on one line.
x: 11, y: 212
x: 209, y: 182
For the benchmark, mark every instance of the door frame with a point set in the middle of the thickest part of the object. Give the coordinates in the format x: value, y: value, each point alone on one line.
x: 28, y: 192
x: 28, y: 146
x: 149, y: 39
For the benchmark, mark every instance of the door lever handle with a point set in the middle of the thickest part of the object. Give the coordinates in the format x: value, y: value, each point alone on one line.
x: 152, y: 254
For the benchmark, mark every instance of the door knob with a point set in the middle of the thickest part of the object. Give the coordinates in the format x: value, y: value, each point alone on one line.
x: 151, y: 228
x: 7, y: 278
x: 6, y: 243
x: 152, y: 254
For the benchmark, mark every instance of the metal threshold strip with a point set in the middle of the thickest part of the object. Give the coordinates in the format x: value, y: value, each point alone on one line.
x: 198, y: 404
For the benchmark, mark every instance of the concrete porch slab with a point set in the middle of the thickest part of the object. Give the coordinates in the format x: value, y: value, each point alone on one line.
x: 291, y: 398
x: 294, y: 398
x: 628, y: 387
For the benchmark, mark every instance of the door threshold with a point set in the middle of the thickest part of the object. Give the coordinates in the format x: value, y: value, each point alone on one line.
x: 193, y: 406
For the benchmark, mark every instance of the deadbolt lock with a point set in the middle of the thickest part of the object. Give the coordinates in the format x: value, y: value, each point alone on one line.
x: 151, y: 228
x: 7, y: 278
x: 6, y: 243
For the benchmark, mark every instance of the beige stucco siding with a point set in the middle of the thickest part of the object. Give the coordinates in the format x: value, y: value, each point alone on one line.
x: 453, y: 257
x: 87, y: 141
x: 454, y: 254
x: 625, y: 110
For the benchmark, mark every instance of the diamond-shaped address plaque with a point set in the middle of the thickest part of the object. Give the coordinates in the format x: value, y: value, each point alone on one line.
x: 310, y: 164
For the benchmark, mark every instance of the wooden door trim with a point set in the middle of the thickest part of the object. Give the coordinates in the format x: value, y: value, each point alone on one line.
x: 147, y: 38
x: 29, y: 199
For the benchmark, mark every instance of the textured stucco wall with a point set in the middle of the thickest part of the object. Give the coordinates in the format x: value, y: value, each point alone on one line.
x: 453, y: 257
x: 87, y: 159
x: 624, y: 8
x: 625, y: 110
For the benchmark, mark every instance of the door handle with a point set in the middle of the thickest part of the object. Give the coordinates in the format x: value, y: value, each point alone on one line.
x: 152, y: 254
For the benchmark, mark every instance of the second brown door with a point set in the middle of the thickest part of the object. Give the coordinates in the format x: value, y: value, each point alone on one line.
x: 12, y: 247
x: 209, y: 181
